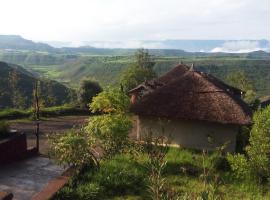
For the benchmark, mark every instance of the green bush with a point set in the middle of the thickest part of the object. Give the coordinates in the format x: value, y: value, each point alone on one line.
x: 14, y: 113
x: 256, y: 163
x: 111, y: 131
x: 73, y: 149
x: 4, y: 129
x: 116, y: 177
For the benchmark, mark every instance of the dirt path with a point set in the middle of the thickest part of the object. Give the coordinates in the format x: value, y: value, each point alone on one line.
x: 48, y: 126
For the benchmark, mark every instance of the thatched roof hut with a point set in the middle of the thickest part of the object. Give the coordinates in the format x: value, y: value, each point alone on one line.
x: 194, y: 95
x: 186, y: 94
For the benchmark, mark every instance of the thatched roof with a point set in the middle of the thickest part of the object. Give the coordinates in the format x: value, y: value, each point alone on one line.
x: 194, y: 96
x: 173, y: 74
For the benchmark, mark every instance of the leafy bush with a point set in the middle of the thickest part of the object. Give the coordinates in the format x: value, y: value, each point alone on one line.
x: 110, y: 101
x: 73, y: 149
x: 14, y: 113
x: 256, y: 165
x: 65, y: 109
x: 110, y: 131
x: 87, y: 91
x: 118, y: 176
x: 4, y: 129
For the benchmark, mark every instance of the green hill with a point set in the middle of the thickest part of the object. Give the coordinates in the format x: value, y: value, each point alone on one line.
x: 107, y: 69
x: 17, y: 84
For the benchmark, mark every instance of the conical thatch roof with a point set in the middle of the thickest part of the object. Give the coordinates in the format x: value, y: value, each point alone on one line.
x: 195, y: 96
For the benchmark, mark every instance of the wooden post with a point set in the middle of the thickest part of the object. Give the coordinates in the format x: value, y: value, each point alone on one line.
x: 37, y: 109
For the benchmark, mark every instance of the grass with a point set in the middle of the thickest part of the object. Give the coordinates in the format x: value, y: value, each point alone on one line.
x: 125, y: 178
x: 7, y: 114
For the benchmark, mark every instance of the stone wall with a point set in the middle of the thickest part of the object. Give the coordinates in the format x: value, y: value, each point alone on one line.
x: 13, y: 148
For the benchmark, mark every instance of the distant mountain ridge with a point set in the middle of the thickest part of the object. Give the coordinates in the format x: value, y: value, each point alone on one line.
x: 16, y: 42
x: 158, y: 47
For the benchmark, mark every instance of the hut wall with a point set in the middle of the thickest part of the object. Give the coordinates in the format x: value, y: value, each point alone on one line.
x: 189, y: 134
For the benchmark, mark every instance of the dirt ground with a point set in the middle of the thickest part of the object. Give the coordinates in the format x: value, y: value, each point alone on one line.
x: 47, y: 126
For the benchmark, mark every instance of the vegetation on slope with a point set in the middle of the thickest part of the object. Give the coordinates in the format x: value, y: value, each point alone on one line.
x: 17, y: 85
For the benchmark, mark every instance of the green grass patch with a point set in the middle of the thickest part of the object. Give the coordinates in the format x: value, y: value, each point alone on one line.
x: 125, y: 178
x: 9, y: 114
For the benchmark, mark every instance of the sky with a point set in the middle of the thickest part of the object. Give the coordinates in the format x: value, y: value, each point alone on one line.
x: 134, y: 20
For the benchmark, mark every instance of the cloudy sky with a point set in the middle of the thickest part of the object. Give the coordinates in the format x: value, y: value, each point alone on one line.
x: 130, y: 20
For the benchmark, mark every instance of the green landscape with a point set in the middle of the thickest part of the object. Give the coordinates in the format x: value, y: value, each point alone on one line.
x: 111, y: 101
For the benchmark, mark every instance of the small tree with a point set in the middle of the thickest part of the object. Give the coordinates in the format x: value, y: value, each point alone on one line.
x: 88, y: 90
x: 73, y: 149
x: 141, y: 70
x: 256, y: 164
x: 240, y: 80
x: 111, y: 129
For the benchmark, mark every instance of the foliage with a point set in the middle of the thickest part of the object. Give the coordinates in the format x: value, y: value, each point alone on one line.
x: 157, y: 149
x: 4, y: 129
x: 74, y: 149
x: 141, y: 70
x: 110, y: 131
x: 120, y: 175
x: 65, y: 109
x: 110, y: 101
x: 240, y: 80
x: 256, y: 165
x: 133, y: 76
x: 16, y: 89
x: 88, y: 90
x: 143, y: 59
x: 187, y: 185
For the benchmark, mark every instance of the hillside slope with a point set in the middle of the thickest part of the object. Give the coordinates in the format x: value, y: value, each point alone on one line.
x: 17, y: 84
x: 107, y: 70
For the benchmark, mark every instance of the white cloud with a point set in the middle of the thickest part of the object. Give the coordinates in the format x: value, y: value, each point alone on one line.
x: 239, y: 47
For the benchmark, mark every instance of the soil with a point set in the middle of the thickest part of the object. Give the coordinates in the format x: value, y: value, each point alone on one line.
x: 48, y: 126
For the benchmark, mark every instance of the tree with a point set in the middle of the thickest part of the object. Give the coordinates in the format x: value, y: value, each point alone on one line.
x: 141, y: 70
x: 256, y: 163
x: 144, y: 59
x: 240, y: 80
x: 88, y: 90
x: 111, y: 129
x: 74, y: 149
x: 18, y: 99
x: 110, y: 101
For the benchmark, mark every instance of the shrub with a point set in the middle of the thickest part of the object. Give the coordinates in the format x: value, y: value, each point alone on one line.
x: 87, y: 91
x: 118, y: 176
x: 73, y: 149
x: 256, y: 163
x: 4, y: 129
x: 110, y: 101
x: 111, y: 131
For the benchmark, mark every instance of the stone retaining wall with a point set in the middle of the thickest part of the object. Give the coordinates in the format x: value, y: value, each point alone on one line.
x: 14, y: 148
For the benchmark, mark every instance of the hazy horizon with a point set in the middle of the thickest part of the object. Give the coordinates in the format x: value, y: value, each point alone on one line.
x: 126, y: 20
x: 126, y: 23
